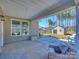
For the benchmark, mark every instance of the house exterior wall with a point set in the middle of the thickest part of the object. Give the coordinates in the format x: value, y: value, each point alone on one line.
x: 59, y: 29
x: 1, y: 12
x: 7, y: 29
x: 70, y: 30
x: 34, y: 29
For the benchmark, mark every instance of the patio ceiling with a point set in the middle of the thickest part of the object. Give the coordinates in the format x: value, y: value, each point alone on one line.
x: 31, y: 9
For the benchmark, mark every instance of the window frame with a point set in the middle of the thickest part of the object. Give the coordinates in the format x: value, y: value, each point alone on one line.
x: 20, y: 27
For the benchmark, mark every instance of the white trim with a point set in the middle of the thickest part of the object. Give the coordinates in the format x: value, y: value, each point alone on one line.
x: 1, y: 33
x: 20, y: 20
x: 11, y: 27
x: 28, y: 28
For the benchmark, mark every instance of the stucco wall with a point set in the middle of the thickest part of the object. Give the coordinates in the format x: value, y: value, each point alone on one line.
x: 58, y: 28
x: 7, y: 28
x: 1, y: 12
x: 33, y: 29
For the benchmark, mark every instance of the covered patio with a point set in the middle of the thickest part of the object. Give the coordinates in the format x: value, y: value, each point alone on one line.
x: 19, y: 22
x: 30, y: 49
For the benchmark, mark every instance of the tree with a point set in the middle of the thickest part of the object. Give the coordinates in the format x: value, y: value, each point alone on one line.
x: 51, y: 23
x: 69, y: 16
x: 66, y: 15
x: 59, y: 18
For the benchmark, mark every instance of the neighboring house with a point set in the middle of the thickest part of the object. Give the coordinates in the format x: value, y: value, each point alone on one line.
x: 45, y: 30
x: 48, y: 31
x: 55, y: 30
x: 69, y: 30
x: 58, y: 30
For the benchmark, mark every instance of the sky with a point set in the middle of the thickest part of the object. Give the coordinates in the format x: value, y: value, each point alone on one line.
x: 44, y: 22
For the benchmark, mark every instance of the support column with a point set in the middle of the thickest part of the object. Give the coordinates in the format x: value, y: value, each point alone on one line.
x: 77, y: 23
x: 1, y: 30
x: 77, y: 20
x: 34, y: 29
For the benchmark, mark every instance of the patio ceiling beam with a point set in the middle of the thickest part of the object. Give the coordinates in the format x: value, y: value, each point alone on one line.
x: 55, y: 9
x: 77, y: 20
x: 76, y: 2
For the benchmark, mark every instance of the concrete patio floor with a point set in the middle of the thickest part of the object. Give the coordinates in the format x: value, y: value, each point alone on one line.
x: 24, y: 50
x: 29, y: 49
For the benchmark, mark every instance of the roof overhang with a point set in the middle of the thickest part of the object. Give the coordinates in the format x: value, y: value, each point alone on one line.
x: 52, y: 10
x: 33, y: 9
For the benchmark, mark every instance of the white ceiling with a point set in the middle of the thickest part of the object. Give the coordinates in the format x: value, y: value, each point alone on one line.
x: 29, y: 8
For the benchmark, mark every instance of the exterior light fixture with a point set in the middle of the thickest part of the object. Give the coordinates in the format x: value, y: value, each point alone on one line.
x: 2, y: 18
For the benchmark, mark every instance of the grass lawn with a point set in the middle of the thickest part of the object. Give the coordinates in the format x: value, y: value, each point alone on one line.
x: 58, y: 36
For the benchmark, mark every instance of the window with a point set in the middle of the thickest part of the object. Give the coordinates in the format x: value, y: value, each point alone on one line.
x: 60, y: 30
x: 15, y: 27
x: 55, y: 31
x: 19, y: 28
x: 24, y: 28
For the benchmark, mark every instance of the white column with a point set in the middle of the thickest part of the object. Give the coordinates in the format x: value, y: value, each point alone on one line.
x: 1, y: 29
x: 1, y: 35
x: 77, y: 20
x: 34, y: 29
x: 77, y: 23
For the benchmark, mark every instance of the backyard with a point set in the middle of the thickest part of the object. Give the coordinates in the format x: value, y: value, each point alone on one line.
x: 36, y: 49
x: 57, y: 36
x: 61, y: 25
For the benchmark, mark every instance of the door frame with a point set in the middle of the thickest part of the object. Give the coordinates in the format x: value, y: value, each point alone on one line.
x: 2, y: 29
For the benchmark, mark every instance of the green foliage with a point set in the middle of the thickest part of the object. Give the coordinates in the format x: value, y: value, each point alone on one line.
x: 65, y: 14
x: 50, y: 22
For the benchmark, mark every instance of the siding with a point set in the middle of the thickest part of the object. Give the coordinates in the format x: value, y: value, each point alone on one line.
x: 7, y: 29
x: 1, y: 12
x: 58, y: 28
